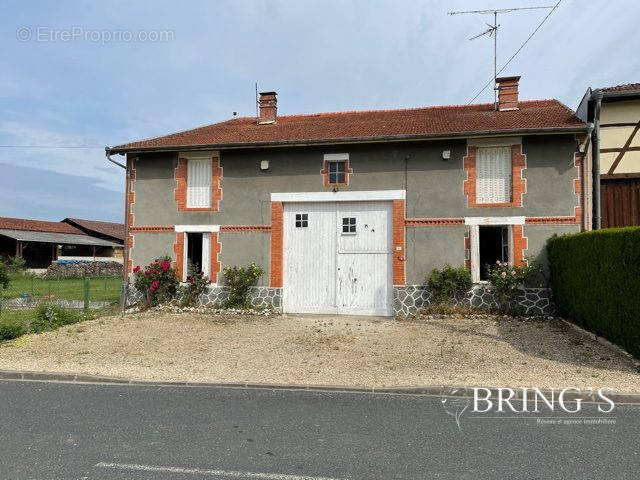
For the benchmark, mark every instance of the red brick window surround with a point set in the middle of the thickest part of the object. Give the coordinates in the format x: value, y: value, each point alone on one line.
x: 215, y: 248
x: 336, y: 170
x: 518, y: 183
x: 181, y: 185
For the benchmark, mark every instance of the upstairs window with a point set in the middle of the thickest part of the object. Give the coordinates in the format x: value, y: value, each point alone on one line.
x: 199, y: 183
x: 337, y: 172
x: 493, y: 175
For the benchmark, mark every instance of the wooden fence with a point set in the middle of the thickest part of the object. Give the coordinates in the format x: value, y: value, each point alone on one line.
x: 620, y: 201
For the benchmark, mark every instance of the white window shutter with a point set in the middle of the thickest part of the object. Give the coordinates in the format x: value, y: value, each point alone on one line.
x: 206, y: 255
x: 199, y: 183
x: 493, y: 171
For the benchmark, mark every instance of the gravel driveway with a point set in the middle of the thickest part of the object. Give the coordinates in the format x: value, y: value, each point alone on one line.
x: 356, y: 351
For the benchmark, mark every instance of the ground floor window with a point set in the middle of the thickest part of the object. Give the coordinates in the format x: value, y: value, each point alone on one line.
x: 494, y: 246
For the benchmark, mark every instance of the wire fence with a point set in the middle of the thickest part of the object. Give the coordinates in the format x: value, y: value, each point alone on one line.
x: 26, y: 291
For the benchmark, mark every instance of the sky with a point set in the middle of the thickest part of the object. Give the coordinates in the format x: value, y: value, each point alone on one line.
x: 92, y: 74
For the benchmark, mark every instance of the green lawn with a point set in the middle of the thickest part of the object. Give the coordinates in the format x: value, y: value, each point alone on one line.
x: 100, y: 288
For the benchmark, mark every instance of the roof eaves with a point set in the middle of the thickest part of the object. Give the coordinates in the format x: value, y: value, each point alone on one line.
x: 340, y: 141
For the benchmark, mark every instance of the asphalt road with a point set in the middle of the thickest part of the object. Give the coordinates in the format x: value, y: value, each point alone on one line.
x: 111, y: 432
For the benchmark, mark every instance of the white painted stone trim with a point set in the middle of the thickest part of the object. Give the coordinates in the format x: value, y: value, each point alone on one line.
x: 494, y: 141
x: 341, y: 196
x: 197, y: 228
x: 333, y: 157
x: 199, y: 155
x: 494, y: 220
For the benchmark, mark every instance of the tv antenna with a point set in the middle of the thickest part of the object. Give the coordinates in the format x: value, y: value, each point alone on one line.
x: 492, y: 31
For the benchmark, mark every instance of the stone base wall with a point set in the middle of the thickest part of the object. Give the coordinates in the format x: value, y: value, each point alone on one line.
x: 77, y: 269
x: 215, y: 295
x: 409, y: 299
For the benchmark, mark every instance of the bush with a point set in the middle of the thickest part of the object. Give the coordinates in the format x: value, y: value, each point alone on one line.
x: 448, y: 283
x: 196, y: 285
x: 158, y: 281
x: 595, y: 278
x: 4, y: 277
x: 508, y: 280
x: 239, y: 280
x: 10, y: 329
x: 50, y: 317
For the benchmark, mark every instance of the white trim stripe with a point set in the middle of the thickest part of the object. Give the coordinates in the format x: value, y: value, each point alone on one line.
x: 341, y: 196
x: 197, y: 228
x: 332, y: 157
x: 494, y: 220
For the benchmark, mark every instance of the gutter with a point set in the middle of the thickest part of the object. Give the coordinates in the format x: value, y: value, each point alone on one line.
x: 351, y: 140
x: 583, y: 179
x: 597, y: 95
x: 125, y: 253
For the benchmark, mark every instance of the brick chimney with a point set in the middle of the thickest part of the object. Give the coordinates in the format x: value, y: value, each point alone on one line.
x: 268, y: 108
x: 507, y: 93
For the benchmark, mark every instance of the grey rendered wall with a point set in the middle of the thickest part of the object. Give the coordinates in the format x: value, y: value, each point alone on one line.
x: 432, y: 247
x: 537, y: 236
x: 434, y: 189
x: 244, y: 248
x: 149, y: 246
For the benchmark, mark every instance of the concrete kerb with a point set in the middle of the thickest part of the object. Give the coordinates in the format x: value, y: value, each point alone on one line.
x: 434, y: 390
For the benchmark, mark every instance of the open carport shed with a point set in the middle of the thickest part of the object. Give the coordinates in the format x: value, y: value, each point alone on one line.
x: 38, y: 241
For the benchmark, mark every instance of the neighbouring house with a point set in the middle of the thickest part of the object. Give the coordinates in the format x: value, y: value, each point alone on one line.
x: 42, y: 242
x: 349, y: 211
x: 615, y: 147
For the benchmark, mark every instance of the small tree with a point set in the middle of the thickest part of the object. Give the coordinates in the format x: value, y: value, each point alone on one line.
x: 158, y: 281
x: 240, y: 280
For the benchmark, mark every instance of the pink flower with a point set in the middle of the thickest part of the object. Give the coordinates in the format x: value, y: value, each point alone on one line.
x: 165, y: 265
x: 136, y: 269
x: 504, y: 274
x: 513, y: 272
x: 497, y: 262
x: 154, y: 285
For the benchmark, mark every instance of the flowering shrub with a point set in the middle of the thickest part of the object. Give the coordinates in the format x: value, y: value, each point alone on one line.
x: 196, y: 285
x: 239, y: 280
x: 507, y: 279
x: 158, y: 281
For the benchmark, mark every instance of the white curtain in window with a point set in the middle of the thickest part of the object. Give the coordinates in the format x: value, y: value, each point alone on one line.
x: 493, y: 171
x: 199, y: 183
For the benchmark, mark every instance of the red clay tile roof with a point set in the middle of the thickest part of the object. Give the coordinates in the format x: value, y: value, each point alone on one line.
x: 627, y: 87
x: 37, y: 226
x: 537, y: 115
x: 114, y: 230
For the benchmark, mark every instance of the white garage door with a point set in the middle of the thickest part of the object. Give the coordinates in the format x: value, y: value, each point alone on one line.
x: 337, y: 258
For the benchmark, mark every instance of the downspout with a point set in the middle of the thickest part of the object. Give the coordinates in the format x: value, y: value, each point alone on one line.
x: 583, y: 179
x: 125, y: 253
x: 597, y: 209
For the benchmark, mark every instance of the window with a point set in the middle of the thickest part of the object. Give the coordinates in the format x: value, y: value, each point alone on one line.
x: 348, y: 225
x: 199, y: 183
x: 493, y: 170
x: 302, y: 220
x: 337, y: 172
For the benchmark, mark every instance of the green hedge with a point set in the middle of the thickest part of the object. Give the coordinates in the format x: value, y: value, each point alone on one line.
x: 596, y: 282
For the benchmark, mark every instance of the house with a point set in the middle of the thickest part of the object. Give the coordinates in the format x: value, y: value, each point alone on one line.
x: 615, y: 146
x: 41, y: 242
x: 348, y: 211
